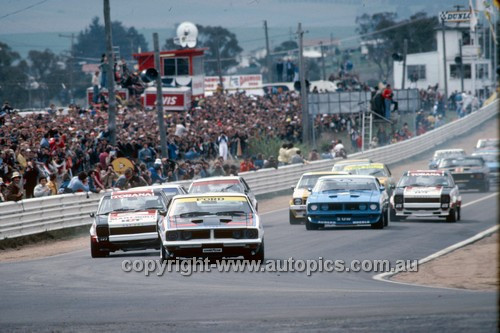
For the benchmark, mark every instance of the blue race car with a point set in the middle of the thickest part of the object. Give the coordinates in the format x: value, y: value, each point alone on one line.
x: 351, y: 200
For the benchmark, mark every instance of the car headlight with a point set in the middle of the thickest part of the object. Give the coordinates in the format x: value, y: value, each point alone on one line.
x: 173, y: 235
x: 237, y: 234
x: 445, y: 205
x: 373, y: 206
x: 445, y: 198
x: 324, y: 207
x: 362, y: 207
x: 398, y: 198
x: 313, y: 207
x: 251, y: 233
x: 399, y: 206
x: 297, y: 201
x: 186, y: 235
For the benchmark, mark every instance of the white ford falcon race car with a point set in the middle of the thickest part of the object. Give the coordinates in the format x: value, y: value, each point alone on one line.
x: 426, y: 193
x: 211, y: 225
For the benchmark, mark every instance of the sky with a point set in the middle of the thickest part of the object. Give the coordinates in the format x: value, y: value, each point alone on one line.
x: 36, y: 24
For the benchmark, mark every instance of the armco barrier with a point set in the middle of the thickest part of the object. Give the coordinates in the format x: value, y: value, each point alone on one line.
x: 28, y: 217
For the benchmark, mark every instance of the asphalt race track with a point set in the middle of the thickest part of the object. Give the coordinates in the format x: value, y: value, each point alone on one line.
x: 72, y: 292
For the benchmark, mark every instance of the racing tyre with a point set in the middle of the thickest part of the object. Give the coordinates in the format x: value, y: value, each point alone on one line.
x: 293, y: 219
x: 394, y: 217
x: 257, y: 256
x: 452, y: 216
x: 163, y: 254
x: 459, y: 216
x: 95, y: 251
x: 380, y: 223
x: 311, y: 226
x: 386, y: 218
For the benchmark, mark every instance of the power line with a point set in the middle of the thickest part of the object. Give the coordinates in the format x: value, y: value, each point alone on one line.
x: 23, y: 9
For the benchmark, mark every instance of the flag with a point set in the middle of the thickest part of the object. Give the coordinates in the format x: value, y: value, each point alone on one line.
x: 488, y: 13
x: 473, y: 18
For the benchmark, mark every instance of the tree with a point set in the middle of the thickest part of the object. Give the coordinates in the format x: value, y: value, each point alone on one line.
x: 14, y: 78
x: 91, y: 42
x: 209, y: 37
x: 382, y: 38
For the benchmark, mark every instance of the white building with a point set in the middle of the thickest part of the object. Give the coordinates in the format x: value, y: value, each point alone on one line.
x: 427, y: 69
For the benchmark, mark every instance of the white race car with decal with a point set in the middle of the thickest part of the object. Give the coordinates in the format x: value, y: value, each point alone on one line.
x: 211, y: 224
x: 127, y: 220
x: 426, y: 193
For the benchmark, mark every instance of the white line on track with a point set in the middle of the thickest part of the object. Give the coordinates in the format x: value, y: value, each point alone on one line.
x: 385, y: 276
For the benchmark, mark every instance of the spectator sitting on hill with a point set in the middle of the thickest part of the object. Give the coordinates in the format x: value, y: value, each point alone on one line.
x: 247, y: 165
x: 41, y: 190
x: 79, y: 183
x: 297, y: 158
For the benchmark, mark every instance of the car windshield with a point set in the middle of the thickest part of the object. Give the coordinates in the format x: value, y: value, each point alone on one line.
x: 448, y: 154
x: 368, y: 171
x: 206, y: 206
x: 342, y: 166
x: 171, y: 190
x: 460, y: 162
x: 345, y: 184
x: 424, y: 180
x: 308, y: 181
x: 122, y: 204
x: 488, y: 157
x: 488, y: 143
x: 216, y: 186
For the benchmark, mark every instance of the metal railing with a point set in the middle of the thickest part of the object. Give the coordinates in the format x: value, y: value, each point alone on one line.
x: 32, y: 216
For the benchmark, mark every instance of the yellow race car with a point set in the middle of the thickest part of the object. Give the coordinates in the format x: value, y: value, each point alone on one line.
x: 378, y: 170
x: 301, y: 192
x: 341, y: 165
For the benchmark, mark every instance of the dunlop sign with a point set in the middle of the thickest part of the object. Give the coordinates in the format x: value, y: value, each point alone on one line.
x: 460, y: 16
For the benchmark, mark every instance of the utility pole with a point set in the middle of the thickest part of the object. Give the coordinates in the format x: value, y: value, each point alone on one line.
x: 111, y: 76
x: 322, y: 61
x: 461, y: 65
x: 444, y: 61
x: 159, y: 98
x: 219, y: 67
x: 71, y: 64
x: 303, y: 88
x: 405, y: 50
x: 268, y: 56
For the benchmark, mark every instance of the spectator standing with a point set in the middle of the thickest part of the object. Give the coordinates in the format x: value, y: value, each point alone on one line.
x: 42, y: 190
x: 222, y: 141
x: 95, y: 86
x: 52, y: 184
x: 387, y: 95
x: 31, y: 177
x: 13, y: 192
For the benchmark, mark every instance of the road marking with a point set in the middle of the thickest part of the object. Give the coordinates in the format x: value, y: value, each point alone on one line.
x: 385, y: 276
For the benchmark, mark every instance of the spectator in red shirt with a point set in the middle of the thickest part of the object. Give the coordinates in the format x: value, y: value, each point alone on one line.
x: 247, y: 165
x: 387, y: 95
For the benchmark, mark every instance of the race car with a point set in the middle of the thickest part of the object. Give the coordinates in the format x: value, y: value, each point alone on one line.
x: 426, y: 193
x: 127, y: 220
x: 379, y: 170
x: 301, y: 191
x: 339, y: 166
x: 223, y: 184
x: 213, y: 225
x: 444, y: 153
x: 488, y: 144
x: 470, y: 172
x: 349, y: 200
x: 491, y: 159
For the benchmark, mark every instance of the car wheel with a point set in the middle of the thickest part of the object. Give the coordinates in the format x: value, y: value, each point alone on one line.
x: 380, y: 223
x: 293, y: 219
x: 95, y: 250
x: 311, y: 226
x: 163, y: 254
x: 386, y: 218
x: 459, y: 216
x: 452, y: 216
x: 393, y: 216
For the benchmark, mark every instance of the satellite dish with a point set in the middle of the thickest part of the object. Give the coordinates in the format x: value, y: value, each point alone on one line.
x: 186, y: 35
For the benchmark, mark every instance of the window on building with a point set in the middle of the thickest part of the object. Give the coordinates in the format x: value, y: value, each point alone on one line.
x: 482, y: 71
x: 455, y: 71
x: 176, y: 66
x: 415, y: 72
x: 466, y: 40
x: 198, y: 65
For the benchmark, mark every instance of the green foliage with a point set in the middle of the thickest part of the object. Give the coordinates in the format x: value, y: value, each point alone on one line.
x: 419, y: 30
x: 286, y: 46
x: 13, y: 76
x: 91, y: 42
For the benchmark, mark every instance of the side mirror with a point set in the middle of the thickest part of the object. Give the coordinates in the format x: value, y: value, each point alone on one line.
x: 392, y: 186
x: 382, y: 188
x: 162, y: 212
x: 92, y: 215
x: 310, y: 189
x: 292, y: 187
